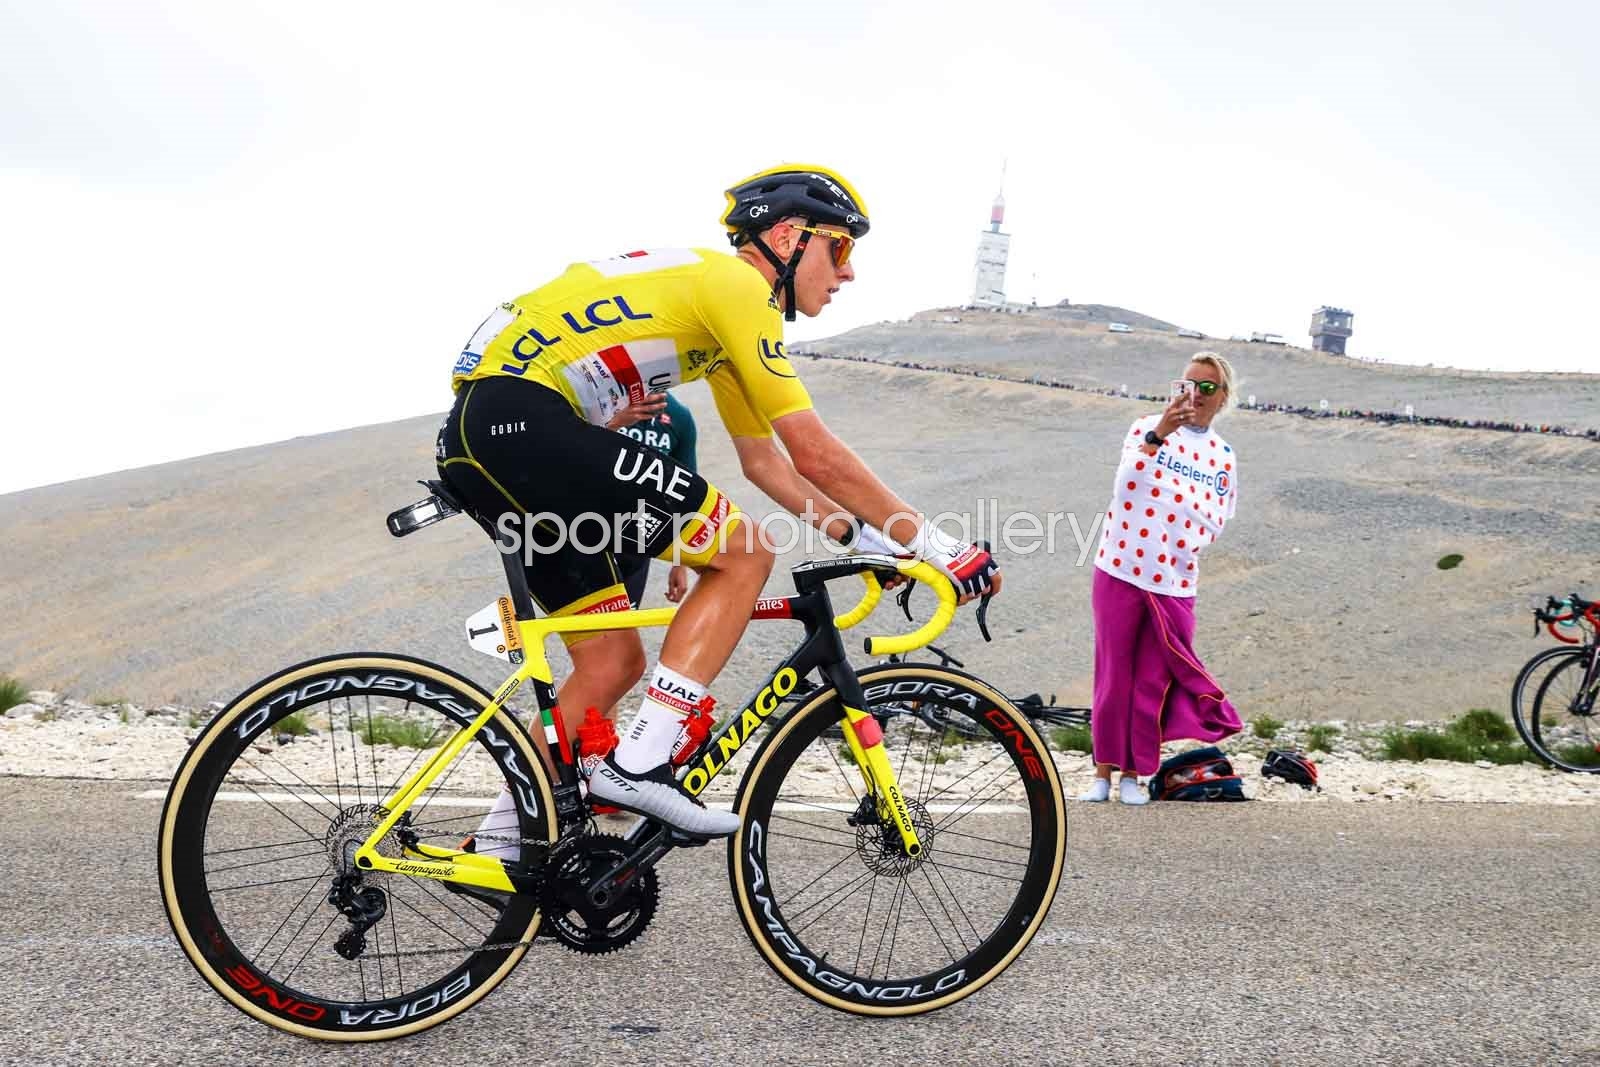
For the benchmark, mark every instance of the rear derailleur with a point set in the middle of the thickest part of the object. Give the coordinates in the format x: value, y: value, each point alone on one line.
x: 364, y: 907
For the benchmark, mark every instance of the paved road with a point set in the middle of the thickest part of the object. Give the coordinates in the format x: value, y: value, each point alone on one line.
x: 1328, y: 933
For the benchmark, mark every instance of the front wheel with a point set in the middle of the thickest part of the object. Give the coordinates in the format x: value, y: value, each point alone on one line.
x: 1558, y: 721
x: 264, y: 815
x: 825, y: 889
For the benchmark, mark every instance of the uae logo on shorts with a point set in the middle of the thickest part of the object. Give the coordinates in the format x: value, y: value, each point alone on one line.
x: 639, y: 528
x: 1224, y: 483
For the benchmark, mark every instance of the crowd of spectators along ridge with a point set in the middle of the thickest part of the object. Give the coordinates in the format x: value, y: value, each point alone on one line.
x: 1286, y: 409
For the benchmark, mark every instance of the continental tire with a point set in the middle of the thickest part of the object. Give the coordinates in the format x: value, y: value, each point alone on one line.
x: 836, y: 908
x: 277, y: 787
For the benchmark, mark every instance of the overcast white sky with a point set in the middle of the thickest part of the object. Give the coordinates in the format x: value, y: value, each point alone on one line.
x: 230, y: 223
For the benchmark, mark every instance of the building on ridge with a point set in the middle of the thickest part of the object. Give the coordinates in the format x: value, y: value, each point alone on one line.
x: 1330, y: 328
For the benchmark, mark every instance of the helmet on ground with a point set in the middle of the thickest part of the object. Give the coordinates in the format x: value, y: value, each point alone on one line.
x: 789, y: 190
x: 1291, y: 767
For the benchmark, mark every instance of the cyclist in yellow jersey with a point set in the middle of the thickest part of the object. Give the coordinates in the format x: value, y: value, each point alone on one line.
x: 526, y: 440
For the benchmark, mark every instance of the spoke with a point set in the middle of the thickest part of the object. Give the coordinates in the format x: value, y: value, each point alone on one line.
x: 834, y: 755
x: 443, y: 898
x: 980, y: 859
x: 394, y: 935
x: 310, y: 836
x: 373, y: 749
x: 980, y: 767
x: 460, y: 760
x: 971, y: 804
x: 850, y: 832
x: 430, y: 920
x: 943, y: 833
x: 288, y: 914
x: 931, y: 924
x: 315, y: 941
x: 866, y: 912
x: 784, y: 903
x: 257, y: 863
x: 275, y: 881
x: 252, y: 848
x: 954, y: 926
x: 355, y: 755
x: 296, y: 775
x: 848, y: 846
x: 956, y: 900
x: 333, y: 750
x: 845, y: 893
x: 899, y: 890
x: 310, y: 915
x: 372, y: 753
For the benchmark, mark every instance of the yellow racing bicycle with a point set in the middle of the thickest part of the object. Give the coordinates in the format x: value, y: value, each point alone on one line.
x: 310, y: 848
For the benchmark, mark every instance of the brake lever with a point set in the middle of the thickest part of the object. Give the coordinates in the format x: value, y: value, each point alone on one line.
x: 983, y: 615
x: 903, y: 598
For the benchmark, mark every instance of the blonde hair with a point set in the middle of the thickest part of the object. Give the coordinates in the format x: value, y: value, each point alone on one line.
x: 1224, y: 371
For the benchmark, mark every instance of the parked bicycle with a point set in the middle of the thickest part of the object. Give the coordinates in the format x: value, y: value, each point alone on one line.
x: 1553, y: 699
x: 1041, y: 712
x: 324, y: 889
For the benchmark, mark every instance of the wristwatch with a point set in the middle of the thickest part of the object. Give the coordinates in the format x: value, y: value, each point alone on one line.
x: 1153, y: 438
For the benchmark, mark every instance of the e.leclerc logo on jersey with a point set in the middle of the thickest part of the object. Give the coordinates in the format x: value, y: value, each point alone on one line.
x: 1224, y: 483
x: 774, y: 359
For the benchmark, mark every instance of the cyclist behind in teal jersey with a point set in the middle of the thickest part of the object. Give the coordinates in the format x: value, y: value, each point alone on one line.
x: 659, y: 421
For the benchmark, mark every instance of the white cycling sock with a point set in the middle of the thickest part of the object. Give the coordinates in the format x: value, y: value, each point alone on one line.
x: 501, y: 822
x: 668, y: 700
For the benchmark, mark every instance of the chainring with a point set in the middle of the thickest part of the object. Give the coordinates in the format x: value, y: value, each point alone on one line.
x: 577, y: 921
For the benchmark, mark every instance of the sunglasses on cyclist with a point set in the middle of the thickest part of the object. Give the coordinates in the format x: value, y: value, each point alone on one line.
x: 1204, y: 388
x: 843, y: 243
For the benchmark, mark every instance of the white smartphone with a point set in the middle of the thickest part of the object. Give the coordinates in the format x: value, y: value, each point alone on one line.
x: 1181, y: 386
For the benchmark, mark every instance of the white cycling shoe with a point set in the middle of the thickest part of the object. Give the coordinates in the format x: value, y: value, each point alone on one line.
x: 657, y: 794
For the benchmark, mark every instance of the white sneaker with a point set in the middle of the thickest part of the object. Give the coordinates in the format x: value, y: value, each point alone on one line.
x: 657, y: 794
x: 1098, y: 793
x: 1129, y: 791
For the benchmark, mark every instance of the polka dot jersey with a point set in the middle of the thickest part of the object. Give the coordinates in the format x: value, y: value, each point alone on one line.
x: 1165, y: 508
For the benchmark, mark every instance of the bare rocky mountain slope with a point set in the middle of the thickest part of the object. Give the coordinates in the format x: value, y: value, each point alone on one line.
x: 1050, y: 342
x: 187, y: 581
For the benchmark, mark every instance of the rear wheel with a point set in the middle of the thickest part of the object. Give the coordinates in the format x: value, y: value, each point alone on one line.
x: 825, y: 889
x: 266, y: 810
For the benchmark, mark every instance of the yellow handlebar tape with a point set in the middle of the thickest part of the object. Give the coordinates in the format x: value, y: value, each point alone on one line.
x: 933, y: 578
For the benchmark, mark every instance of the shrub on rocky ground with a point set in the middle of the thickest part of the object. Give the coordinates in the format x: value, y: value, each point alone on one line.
x: 1320, y: 736
x: 12, y: 693
x: 1480, y: 734
x: 1266, y: 727
x: 1071, y: 739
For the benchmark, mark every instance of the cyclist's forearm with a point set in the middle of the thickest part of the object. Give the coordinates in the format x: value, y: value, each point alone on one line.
x: 793, y: 492
x: 838, y: 472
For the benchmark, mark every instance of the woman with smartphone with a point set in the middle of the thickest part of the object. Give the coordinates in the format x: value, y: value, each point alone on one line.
x: 1177, y: 486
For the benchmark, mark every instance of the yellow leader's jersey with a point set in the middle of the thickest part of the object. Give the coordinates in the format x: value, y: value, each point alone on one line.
x: 609, y: 331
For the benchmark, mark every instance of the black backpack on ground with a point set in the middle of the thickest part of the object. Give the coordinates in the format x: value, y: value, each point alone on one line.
x: 1199, y: 774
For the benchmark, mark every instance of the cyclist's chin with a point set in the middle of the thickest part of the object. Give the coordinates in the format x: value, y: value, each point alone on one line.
x: 813, y: 306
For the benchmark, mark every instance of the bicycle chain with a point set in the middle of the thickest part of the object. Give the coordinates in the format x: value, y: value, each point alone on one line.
x: 494, y: 946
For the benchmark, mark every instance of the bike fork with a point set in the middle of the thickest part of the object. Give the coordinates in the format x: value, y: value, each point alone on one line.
x: 865, y: 738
